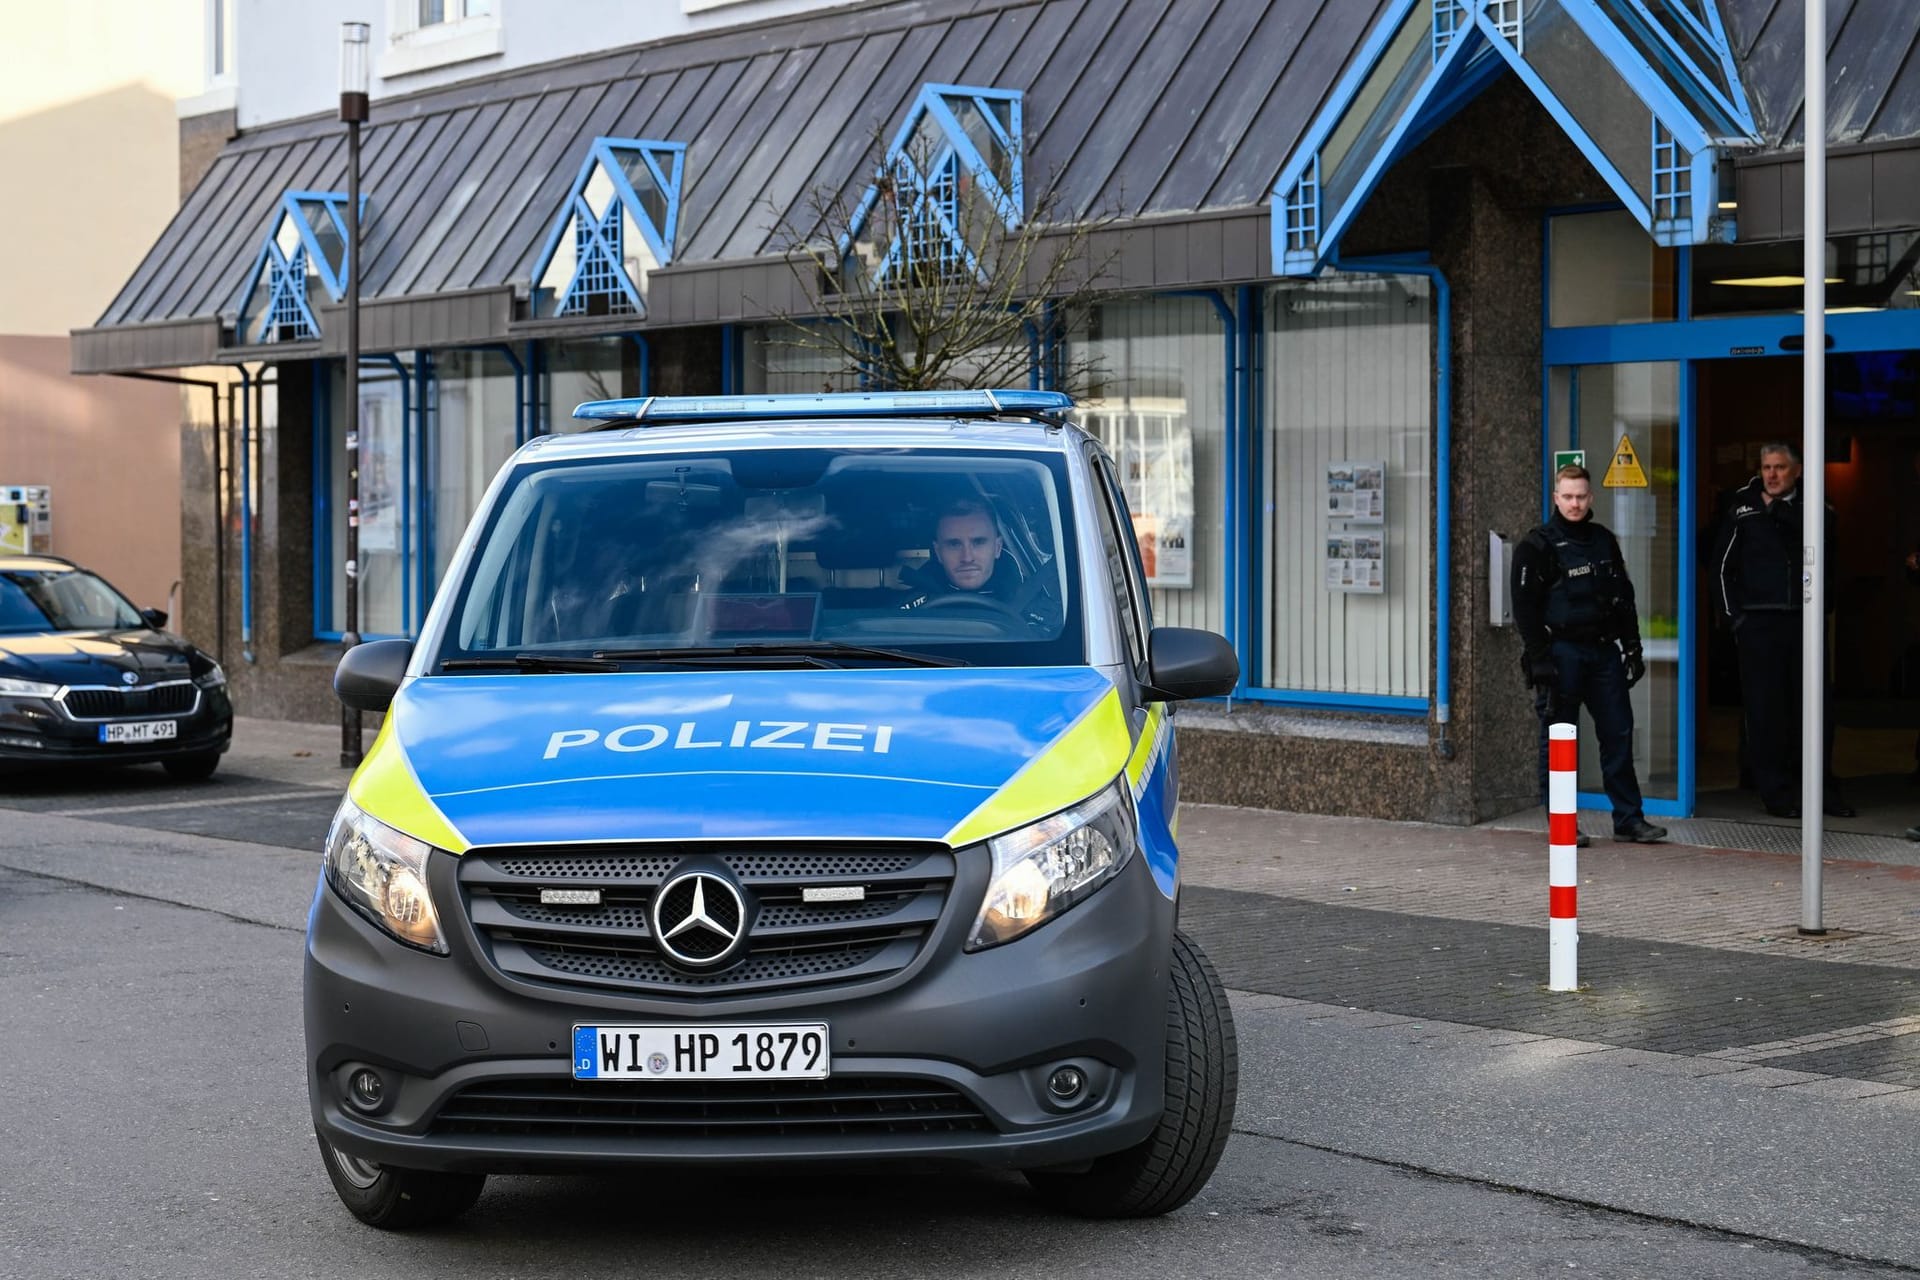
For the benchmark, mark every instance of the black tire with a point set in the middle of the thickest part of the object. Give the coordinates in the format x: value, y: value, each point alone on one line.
x: 196, y: 767
x: 396, y: 1199
x: 1203, y: 1080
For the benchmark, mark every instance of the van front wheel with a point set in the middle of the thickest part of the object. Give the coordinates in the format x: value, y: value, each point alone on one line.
x: 1203, y: 1075
x: 396, y: 1199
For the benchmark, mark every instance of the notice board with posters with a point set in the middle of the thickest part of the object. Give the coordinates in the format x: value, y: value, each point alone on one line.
x: 1356, y: 507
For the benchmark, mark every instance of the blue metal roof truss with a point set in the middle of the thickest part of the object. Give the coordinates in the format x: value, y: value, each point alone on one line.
x: 930, y: 198
x: 307, y: 237
x: 1591, y: 58
x: 599, y: 236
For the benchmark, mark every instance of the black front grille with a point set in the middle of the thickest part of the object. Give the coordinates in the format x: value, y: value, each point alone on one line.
x: 700, y: 1109
x: 122, y: 704
x: 790, y: 942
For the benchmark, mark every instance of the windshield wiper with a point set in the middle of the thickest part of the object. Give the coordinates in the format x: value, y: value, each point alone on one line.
x: 815, y: 652
x: 530, y: 662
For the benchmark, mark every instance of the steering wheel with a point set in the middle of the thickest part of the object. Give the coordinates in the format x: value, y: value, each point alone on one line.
x: 976, y: 604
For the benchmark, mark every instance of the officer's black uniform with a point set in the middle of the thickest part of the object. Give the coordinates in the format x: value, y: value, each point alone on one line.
x: 1032, y: 603
x: 1573, y: 605
x: 1757, y: 586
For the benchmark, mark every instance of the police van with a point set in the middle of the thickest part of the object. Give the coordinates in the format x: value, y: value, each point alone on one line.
x: 775, y: 781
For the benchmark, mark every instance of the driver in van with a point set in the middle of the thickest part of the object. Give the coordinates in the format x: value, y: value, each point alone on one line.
x: 967, y: 560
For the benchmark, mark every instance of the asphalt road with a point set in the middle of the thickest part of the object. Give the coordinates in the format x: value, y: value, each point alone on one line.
x: 154, y: 1121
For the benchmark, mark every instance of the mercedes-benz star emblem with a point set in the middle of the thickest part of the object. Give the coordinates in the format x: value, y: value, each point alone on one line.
x: 699, y: 918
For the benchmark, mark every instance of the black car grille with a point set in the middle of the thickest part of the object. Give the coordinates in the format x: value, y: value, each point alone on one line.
x: 560, y: 1108
x: 120, y: 704
x: 790, y: 942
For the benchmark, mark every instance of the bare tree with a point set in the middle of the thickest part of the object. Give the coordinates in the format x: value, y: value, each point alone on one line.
x: 922, y: 284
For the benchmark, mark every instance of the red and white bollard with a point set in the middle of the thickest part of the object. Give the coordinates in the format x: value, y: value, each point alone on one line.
x: 1563, y: 872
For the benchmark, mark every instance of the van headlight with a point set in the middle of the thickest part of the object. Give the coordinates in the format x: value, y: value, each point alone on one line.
x: 1041, y: 870
x: 382, y: 873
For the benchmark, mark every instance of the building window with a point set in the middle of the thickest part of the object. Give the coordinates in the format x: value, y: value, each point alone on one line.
x: 1878, y: 272
x: 1157, y: 398
x: 783, y: 360
x: 305, y: 247
x: 386, y: 519
x: 427, y: 13
x: 425, y: 34
x: 949, y: 183
x: 615, y: 228
x: 1606, y: 269
x: 1346, y: 486
x: 434, y: 428
x: 584, y: 369
x: 220, y: 48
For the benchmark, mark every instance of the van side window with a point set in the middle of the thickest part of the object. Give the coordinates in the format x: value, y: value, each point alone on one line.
x: 1123, y: 564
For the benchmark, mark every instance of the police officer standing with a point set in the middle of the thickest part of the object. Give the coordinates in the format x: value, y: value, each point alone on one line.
x: 1573, y: 605
x: 1757, y: 587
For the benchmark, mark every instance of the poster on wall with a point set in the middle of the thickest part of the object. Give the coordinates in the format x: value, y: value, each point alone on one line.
x: 1356, y: 509
x: 1356, y: 563
x: 1156, y: 469
x: 1357, y: 492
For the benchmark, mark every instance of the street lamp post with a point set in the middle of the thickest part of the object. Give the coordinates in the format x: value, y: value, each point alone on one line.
x: 353, y: 112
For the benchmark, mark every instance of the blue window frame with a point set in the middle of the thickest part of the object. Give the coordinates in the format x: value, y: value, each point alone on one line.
x: 616, y: 226
x: 306, y: 240
x: 954, y: 162
x: 1644, y: 88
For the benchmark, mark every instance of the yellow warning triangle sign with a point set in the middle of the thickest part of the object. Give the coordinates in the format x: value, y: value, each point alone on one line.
x: 1625, y: 471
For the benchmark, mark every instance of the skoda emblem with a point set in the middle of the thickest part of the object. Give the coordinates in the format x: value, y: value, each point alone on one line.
x: 699, y: 919
x: 128, y: 677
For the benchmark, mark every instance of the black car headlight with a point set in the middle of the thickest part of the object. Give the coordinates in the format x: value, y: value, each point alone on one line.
x: 212, y: 678
x: 1041, y: 870
x: 382, y: 873
x: 13, y: 688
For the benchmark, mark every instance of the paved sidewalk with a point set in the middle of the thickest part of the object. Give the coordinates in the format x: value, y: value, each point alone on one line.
x: 1684, y: 950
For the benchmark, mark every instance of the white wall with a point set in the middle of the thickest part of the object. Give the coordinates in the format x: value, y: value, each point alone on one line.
x: 289, y: 60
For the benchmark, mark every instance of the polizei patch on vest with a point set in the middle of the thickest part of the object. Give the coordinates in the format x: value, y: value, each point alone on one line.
x: 749, y: 735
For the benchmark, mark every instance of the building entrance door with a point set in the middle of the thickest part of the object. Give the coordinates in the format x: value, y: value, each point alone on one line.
x: 1625, y: 422
x: 1873, y: 632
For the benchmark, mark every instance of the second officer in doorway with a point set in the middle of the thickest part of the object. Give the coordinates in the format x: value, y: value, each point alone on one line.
x: 1573, y: 605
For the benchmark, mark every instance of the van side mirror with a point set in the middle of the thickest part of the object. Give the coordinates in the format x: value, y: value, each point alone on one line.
x: 155, y: 618
x: 1183, y: 662
x: 369, y: 674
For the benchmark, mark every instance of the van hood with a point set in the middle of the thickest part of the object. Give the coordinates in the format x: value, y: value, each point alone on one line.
x: 948, y: 754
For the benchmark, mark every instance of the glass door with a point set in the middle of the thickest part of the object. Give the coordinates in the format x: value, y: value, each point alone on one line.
x: 1626, y: 421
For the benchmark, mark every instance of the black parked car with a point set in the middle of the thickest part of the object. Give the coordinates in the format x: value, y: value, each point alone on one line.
x: 87, y: 678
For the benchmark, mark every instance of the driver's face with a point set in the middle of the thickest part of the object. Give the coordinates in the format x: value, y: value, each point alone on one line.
x: 966, y: 547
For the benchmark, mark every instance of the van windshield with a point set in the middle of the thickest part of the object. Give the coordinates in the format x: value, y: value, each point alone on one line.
x: 960, y: 555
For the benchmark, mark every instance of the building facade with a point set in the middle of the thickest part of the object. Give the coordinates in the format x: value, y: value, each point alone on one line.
x: 88, y: 138
x: 1364, y: 268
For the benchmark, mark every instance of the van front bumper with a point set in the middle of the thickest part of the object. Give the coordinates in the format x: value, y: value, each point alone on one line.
x: 945, y: 1062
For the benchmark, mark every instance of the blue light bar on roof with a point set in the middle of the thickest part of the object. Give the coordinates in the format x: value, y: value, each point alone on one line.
x: 876, y: 404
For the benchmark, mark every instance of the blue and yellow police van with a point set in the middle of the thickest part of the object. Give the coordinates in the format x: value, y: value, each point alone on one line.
x: 776, y: 781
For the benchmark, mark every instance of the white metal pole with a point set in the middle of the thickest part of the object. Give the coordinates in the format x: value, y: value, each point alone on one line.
x: 1813, y: 482
x: 1563, y: 854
